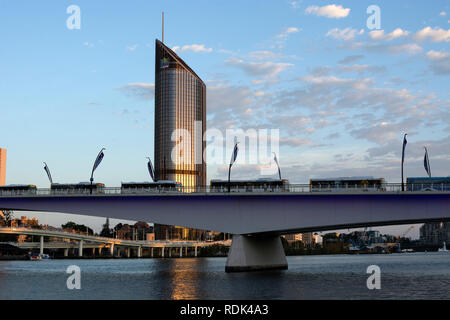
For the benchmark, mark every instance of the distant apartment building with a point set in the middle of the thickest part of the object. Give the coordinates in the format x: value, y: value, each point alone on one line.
x: 435, y: 233
x: 166, y: 232
x: 139, y: 231
x: 25, y: 222
x: 2, y: 167
x: 294, y: 237
x: 311, y: 238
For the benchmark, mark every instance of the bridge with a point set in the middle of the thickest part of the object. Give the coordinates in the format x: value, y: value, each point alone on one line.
x: 256, y: 219
x: 114, y: 245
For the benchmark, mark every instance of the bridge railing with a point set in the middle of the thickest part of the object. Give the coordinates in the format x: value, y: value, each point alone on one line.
x: 294, y: 188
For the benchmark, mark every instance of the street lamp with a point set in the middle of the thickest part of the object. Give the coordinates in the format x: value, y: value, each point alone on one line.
x: 96, y: 164
x: 233, y: 159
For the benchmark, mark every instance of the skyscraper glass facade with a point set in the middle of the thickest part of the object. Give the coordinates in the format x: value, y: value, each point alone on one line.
x: 180, y: 120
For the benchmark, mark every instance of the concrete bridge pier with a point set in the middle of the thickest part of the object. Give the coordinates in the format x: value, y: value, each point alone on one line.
x: 250, y: 253
x: 41, y: 247
x: 80, y: 248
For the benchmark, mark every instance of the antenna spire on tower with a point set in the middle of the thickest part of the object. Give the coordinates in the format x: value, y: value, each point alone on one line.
x: 163, y: 27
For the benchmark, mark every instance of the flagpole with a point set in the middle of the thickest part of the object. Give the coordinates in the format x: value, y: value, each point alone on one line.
x: 403, y: 159
x: 229, y: 173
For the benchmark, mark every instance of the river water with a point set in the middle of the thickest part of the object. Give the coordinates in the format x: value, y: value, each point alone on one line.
x: 403, y: 276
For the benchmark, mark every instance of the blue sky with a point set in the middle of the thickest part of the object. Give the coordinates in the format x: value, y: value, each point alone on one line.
x: 341, y: 94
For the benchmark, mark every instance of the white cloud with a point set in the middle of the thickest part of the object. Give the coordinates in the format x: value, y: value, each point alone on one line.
x: 132, y: 48
x: 443, y: 13
x: 295, y: 4
x: 330, y: 11
x: 435, y: 35
x: 437, y: 55
x: 440, y: 62
x: 380, y: 35
x: 192, y: 47
x: 409, y: 48
x: 141, y: 90
x: 287, y: 32
x: 267, y: 69
x: 263, y: 55
x: 344, y: 34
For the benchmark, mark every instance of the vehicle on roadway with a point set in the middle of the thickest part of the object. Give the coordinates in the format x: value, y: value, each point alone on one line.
x: 17, y: 189
x: 347, y: 183
x: 151, y: 187
x: 428, y: 184
x: 78, y: 188
x: 259, y: 185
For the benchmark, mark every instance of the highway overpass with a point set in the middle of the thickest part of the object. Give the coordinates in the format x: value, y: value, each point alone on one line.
x: 114, y: 245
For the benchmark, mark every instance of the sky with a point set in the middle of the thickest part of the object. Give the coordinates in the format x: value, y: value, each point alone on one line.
x: 341, y: 93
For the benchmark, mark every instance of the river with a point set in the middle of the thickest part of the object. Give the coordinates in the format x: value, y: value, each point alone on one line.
x: 403, y: 276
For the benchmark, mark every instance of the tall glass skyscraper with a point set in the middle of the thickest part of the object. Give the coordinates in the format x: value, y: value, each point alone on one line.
x: 180, y: 120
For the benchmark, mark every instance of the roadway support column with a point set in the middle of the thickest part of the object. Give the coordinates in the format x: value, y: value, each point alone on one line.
x: 139, y: 253
x: 41, y: 247
x: 80, y: 249
x: 111, y: 250
x: 249, y: 253
x: 162, y: 252
x: 195, y: 252
x: 66, y: 252
x: 151, y: 252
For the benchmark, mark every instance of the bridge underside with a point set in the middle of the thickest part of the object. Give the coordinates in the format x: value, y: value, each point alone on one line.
x: 268, y: 214
x: 264, y: 216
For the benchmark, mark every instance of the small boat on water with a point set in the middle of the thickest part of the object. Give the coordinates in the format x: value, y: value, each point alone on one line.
x: 35, y: 258
x: 44, y: 256
x: 444, y: 248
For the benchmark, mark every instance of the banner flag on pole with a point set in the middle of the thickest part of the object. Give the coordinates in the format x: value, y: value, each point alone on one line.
x: 150, y: 169
x: 235, y: 153
x: 426, y: 163
x: 48, y: 173
x: 404, y: 147
x: 278, y: 165
x: 98, y: 160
